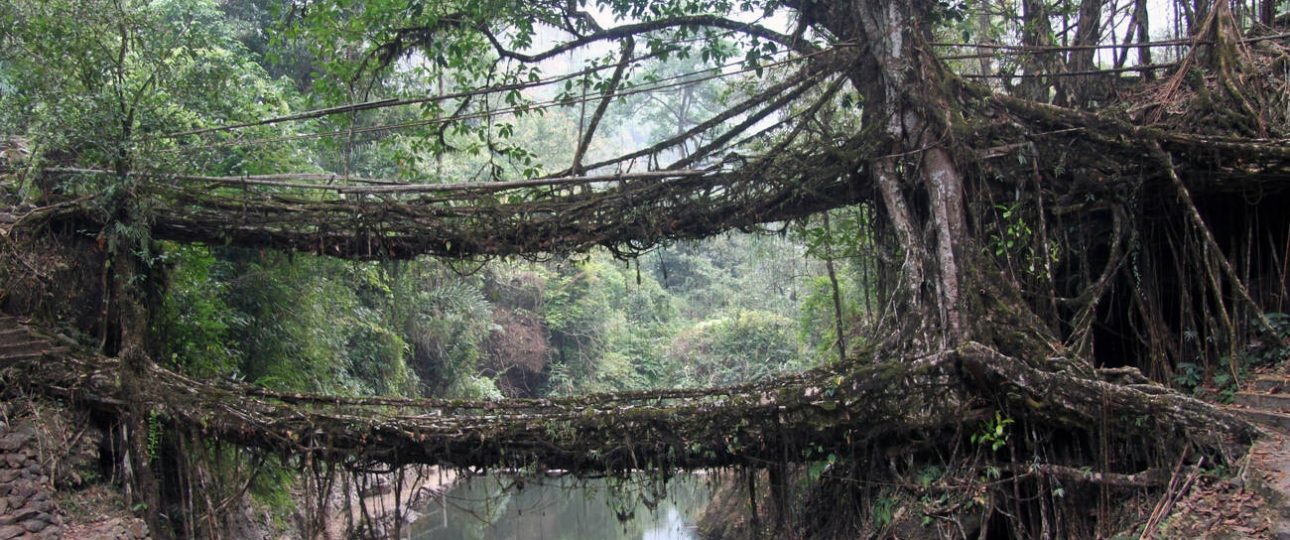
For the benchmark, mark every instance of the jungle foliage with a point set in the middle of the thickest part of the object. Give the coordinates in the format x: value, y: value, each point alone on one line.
x: 132, y: 71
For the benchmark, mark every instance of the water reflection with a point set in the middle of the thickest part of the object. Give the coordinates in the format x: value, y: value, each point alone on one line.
x: 491, y: 507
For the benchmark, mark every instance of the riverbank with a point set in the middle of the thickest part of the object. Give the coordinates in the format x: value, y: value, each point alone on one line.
x: 374, y: 504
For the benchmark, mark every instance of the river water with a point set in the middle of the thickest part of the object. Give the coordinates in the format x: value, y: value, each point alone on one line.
x: 496, y: 508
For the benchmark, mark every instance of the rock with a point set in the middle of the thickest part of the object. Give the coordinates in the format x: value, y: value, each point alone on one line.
x: 35, y: 525
x: 8, y: 475
x: 13, y: 441
x: 138, y: 529
x: 25, y: 514
x: 11, y: 531
x: 22, y: 489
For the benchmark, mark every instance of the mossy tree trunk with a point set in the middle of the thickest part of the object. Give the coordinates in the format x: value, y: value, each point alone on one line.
x: 908, y: 99
x: 133, y: 293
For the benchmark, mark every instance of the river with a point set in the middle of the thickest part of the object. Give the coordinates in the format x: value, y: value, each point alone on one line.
x: 498, y: 508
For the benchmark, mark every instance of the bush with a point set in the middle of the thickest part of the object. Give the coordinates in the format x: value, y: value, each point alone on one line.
x: 739, y: 347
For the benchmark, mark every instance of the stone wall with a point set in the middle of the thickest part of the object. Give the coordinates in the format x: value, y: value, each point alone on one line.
x: 44, y: 449
x: 119, y: 528
x: 27, y: 508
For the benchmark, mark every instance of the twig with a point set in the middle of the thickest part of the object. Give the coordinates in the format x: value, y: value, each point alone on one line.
x: 614, y: 81
x: 1166, y: 504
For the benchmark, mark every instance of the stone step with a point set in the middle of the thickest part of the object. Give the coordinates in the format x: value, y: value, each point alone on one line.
x: 1271, y: 384
x: 1275, y: 420
x: 8, y: 334
x: 22, y: 347
x: 1259, y: 400
x: 8, y: 360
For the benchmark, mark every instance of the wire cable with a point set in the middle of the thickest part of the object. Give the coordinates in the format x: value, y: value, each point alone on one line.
x: 540, y: 105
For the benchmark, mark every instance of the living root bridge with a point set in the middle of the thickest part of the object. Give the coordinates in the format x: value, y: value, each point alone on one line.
x: 629, y: 213
x: 626, y: 213
x: 892, y: 405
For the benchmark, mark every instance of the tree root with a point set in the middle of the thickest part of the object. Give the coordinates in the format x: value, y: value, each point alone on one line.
x: 777, y: 421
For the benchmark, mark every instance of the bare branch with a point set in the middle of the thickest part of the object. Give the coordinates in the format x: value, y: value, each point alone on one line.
x: 808, y: 71
x: 629, y: 45
x: 753, y: 119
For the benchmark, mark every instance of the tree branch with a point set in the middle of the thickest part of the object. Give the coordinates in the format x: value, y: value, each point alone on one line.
x: 753, y: 119
x: 629, y: 45
x: 630, y: 30
x: 748, y: 104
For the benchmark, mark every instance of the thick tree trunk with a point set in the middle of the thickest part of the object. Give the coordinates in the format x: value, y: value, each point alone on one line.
x: 127, y: 298
x: 1036, y: 33
x: 945, y: 193
x: 136, y: 364
x: 900, y: 81
x: 1141, y: 19
x: 1078, y: 90
x: 1267, y: 12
